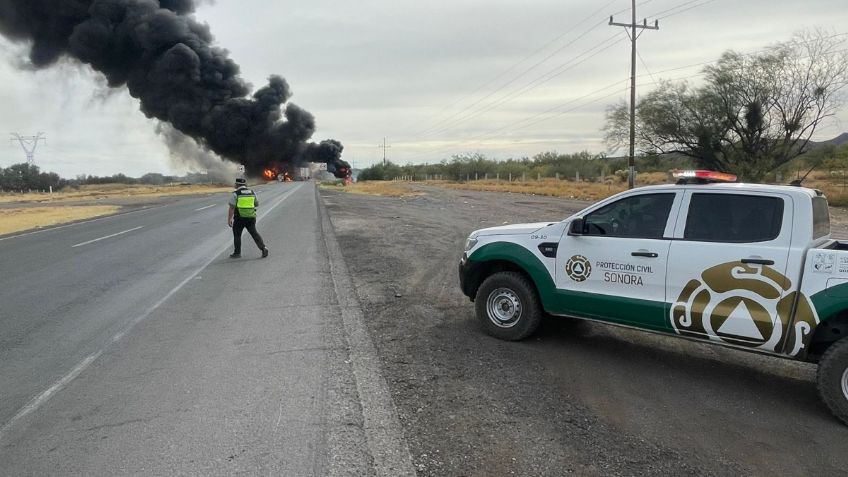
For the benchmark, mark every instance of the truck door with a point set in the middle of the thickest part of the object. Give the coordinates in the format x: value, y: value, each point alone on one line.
x: 727, y: 268
x: 615, y: 270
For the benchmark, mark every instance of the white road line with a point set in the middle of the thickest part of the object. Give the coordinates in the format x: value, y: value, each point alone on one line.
x: 108, y: 236
x: 48, y: 393
x: 204, y: 208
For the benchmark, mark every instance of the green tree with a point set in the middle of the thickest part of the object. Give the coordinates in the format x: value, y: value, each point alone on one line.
x: 752, y: 114
x: 380, y: 172
x: 28, y: 176
x: 152, y: 178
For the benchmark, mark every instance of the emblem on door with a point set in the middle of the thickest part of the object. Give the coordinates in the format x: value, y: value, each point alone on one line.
x: 578, y: 268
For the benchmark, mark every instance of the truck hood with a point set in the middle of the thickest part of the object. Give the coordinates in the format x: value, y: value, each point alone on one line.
x: 514, y: 229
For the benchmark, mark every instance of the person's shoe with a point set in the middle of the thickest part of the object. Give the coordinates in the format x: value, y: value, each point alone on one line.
x: 264, y: 252
x: 235, y: 255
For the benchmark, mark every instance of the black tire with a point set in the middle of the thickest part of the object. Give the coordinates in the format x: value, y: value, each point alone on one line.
x: 832, y: 379
x: 508, y: 307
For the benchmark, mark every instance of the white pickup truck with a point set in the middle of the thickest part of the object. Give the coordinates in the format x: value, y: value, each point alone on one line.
x: 747, y: 266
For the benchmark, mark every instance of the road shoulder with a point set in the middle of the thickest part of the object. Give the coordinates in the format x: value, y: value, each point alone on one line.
x: 381, y: 424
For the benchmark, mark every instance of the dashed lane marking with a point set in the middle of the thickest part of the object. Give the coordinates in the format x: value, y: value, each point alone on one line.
x: 108, y: 236
x: 35, y: 403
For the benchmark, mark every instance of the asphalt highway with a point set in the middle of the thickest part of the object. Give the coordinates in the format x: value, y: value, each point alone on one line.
x: 132, y: 344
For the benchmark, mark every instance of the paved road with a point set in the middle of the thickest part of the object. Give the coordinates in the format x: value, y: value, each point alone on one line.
x: 133, y: 345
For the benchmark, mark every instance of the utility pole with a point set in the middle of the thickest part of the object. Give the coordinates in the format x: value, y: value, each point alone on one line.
x: 384, y: 147
x: 630, y: 28
x: 29, y: 144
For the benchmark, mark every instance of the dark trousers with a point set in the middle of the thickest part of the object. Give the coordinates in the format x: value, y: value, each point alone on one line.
x: 239, y: 224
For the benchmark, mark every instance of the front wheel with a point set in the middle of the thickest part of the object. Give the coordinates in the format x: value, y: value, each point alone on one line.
x: 832, y: 379
x: 507, y: 306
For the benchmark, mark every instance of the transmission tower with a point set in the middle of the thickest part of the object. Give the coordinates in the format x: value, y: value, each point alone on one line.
x: 29, y: 144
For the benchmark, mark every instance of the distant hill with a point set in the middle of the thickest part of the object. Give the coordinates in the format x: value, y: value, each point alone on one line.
x: 837, y: 141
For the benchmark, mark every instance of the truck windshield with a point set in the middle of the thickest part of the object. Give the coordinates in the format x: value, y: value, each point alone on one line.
x: 821, y: 218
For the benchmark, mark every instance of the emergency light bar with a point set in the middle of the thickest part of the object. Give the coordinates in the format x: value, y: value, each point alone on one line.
x: 701, y: 175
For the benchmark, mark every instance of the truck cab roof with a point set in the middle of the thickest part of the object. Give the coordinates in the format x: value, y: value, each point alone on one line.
x: 794, y: 191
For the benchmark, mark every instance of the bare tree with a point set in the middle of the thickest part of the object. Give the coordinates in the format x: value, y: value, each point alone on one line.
x: 752, y: 114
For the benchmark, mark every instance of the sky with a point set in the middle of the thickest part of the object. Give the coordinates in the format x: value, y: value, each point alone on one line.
x: 435, y: 79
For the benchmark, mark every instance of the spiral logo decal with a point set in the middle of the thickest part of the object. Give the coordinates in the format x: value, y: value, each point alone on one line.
x: 578, y: 268
x: 745, y: 305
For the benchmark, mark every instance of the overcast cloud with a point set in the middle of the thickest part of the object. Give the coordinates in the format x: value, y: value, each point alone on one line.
x: 412, y: 71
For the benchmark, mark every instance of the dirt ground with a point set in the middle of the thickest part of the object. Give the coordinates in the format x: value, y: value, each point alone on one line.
x: 576, y: 398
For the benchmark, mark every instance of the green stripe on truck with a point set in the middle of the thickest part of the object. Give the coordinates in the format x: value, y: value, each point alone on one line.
x: 648, y: 314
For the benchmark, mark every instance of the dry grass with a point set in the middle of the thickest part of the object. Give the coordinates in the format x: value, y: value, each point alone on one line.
x: 381, y: 188
x: 833, y: 184
x: 19, y: 219
x: 107, y: 191
x: 561, y: 188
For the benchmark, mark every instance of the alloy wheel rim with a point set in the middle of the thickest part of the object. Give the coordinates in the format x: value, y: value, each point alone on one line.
x: 845, y: 383
x: 503, y: 308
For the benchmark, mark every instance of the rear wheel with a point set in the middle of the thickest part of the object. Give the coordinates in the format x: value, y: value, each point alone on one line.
x: 507, y: 306
x: 832, y: 379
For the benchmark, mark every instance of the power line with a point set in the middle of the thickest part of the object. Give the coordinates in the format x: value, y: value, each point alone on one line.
x: 532, y: 120
x: 514, y: 126
x: 657, y: 14
x: 538, y: 81
x: 515, y: 65
x: 488, y: 135
x: 642, y: 60
x: 439, y: 126
x: 686, y: 9
x: 703, y: 63
x: 458, y: 117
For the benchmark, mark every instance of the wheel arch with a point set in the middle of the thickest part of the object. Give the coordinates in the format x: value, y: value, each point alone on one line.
x: 828, y: 332
x: 505, y: 256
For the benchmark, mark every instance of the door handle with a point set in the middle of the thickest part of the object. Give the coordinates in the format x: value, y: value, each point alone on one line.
x: 644, y: 254
x: 758, y: 261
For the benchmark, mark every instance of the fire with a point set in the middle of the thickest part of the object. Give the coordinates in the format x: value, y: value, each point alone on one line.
x: 269, y: 174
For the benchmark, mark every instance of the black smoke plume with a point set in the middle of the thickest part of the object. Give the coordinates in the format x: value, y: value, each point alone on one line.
x: 167, y: 60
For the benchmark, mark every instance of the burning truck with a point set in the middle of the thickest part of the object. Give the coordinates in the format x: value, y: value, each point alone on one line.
x: 285, y: 172
x: 327, y: 153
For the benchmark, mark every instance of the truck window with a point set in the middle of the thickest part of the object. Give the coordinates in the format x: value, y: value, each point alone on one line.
x: 821, y: 218
x: 638, y: 216
x: 735, y: 218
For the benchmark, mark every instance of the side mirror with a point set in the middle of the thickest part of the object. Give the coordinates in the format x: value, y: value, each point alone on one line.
x: 577, y: 227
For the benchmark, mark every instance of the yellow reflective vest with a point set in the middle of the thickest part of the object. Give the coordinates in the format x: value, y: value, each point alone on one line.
x: 245, y: 203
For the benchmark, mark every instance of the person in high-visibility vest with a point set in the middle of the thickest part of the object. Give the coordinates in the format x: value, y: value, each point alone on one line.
x: 242, y: 215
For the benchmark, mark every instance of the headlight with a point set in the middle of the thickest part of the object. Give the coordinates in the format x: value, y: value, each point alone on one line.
x: 470, y: 242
